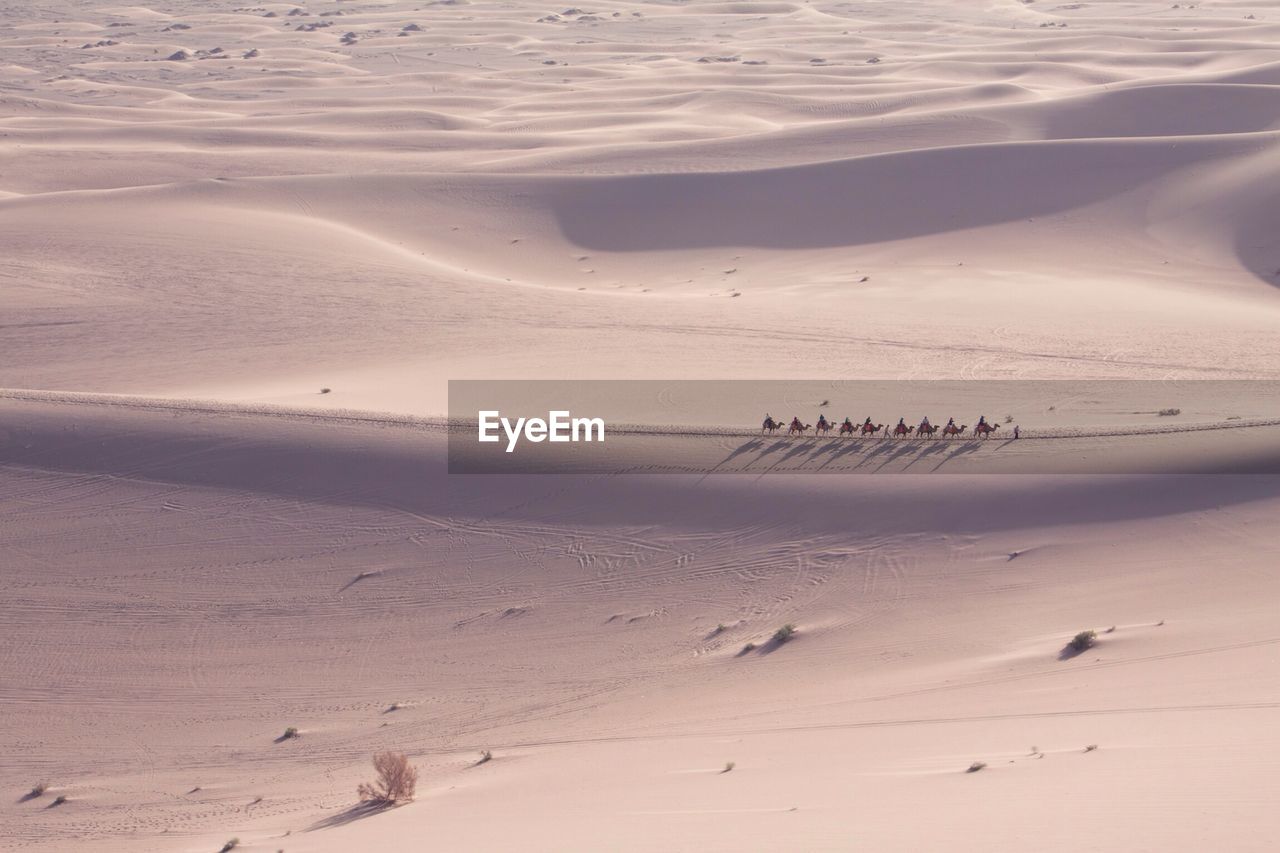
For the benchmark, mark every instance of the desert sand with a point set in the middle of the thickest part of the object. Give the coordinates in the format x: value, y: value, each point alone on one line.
x: 209, y: 212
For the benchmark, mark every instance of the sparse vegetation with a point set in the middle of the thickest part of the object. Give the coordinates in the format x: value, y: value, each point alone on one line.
x: 486, y: 755
x: 232, y: 844
x: 1168, y: 413
x: 289, y: 733
x: 1091, y: 747
x: 326, y: 390
x: 58, y: 800
x: 1008, y: 419
x: 1084, y: 640
x: 976, y: 766
x: 728, y: 765
x: 38, y: 790
x: 786, y: 632
x: 749, y: 647
x: 396, y: 783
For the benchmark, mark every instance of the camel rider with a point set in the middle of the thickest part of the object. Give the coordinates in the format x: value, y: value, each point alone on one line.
x: 951, y: 422
x: 902, y: 422
x: 925, y: 423
x: 822, y: 421
x: 867, y: 422
x: 982, y: 420
x: 848, y: 424
x: 795, y: 422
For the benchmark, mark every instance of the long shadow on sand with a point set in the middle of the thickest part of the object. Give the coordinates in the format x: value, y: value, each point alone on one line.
x: 359, y: 811
x: 849, y: 454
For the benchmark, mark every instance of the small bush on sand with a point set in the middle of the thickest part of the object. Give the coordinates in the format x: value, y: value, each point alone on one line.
x: 1083, y: 640
x: 749, y: 647
x: 786, y: 632
x: 325, y: 390
x: 976, y: 766
x: 1168, y: 413
x: 728, y: 765
x: 58, y: 800
x: 290, y: 733
x: 38, y: 790
x: 396, y: 783
x: 486, y: 755
x: 1091, y: 747
x: 231, y: 844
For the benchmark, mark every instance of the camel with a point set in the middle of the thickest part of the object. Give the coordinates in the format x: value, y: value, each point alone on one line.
x: 951, y: 429
x: 799, y: 429
x: 770, y: 426
x: 868, y: 429
x: 824, y: 427
x: 926, y: 430
x: 847, y: 428
x: 902, y: 429
x: 985, y: 430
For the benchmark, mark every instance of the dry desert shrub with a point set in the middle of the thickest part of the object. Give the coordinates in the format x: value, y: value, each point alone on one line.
x: 396, y: 783
x: 1083, y: 640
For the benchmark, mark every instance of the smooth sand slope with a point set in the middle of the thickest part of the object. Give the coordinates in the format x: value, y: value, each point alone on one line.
x: 242, y: 205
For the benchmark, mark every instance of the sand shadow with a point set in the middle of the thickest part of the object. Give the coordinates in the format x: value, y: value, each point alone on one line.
x: 359, y: 811
x: 771, y: 645
x: 768, y: 647
x: 962, y: 450
x: 362, y: 576
x: 753, y: 444
x: 1070, y: 650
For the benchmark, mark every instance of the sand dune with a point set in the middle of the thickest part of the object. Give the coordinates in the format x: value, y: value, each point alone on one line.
x: 318, y: 589
x: 210, y: 212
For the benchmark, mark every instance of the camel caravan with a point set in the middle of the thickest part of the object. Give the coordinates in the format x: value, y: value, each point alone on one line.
x: 923, y: 430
